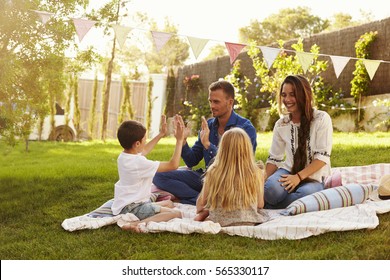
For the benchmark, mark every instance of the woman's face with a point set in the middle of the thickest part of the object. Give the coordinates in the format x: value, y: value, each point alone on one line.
x: 288, y: 98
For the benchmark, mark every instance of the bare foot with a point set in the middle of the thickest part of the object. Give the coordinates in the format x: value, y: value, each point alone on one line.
x: 166, y: 203
x: 134, y: 227
x: 201, y: 216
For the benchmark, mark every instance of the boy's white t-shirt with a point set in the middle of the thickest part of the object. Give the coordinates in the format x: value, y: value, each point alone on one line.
x: 136, y: 173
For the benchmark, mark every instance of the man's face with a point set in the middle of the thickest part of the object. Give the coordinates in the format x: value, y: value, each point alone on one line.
x: 220, y: 103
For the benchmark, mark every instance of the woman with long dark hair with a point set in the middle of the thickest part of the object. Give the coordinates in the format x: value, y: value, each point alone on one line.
x: 299, y: 158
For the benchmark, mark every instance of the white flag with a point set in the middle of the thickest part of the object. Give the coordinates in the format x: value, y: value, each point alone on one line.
x: 197, y: 45
x: 269, y: 55
x: 371, y: 66
x: 121, y: 33
x: 305, y: 59
x: 339, y: 63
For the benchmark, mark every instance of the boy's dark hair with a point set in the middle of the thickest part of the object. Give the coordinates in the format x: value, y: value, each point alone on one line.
x: 130, y: 132
x: 227, y: 87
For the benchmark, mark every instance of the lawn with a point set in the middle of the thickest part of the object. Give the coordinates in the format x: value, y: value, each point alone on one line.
x: 55, y: 181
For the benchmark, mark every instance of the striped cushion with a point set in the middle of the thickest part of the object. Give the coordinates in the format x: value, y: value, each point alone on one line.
x: 342, y: 196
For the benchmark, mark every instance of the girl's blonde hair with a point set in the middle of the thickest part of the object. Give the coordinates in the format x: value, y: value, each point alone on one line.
x: 233, y: 180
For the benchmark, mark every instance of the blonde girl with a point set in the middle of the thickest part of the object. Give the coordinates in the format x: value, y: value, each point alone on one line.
x: 233, y: 184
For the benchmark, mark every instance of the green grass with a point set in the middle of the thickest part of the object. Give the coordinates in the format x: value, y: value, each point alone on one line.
x: 55, y: 181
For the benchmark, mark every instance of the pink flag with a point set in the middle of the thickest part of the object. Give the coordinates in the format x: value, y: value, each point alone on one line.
x: 160, y: 39
x: 45, y: 16
x: 234, y: 50
x: 82, y: 26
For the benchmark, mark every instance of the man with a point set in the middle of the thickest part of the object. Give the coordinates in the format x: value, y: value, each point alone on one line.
x: 187, y: 184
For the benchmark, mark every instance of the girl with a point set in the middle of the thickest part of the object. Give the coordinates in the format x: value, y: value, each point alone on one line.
x: 299, y: 158
x: 233, y: 184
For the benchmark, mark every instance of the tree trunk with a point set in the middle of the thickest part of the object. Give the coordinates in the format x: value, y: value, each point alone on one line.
x: 106, y: 95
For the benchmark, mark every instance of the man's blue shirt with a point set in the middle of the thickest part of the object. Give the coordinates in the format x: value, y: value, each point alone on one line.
x: 192, y: 156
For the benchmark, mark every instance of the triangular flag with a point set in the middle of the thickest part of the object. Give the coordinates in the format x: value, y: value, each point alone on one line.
x: 234, y: 50
x: 371, y: 66
x: 45, y: 16
x: 339, y: 63
x: 82, y: 26
x: 197, y: 45
x: 305, y: 59
x: 121, y: 33
x: 269, y: 55
x: 160, y: 39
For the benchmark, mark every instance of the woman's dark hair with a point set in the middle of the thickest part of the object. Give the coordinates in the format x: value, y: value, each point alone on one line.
x: 130, y: 132
x: 304, y: 98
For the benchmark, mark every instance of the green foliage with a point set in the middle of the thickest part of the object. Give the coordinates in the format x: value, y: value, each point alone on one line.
x: 361, y: 80
x: 268, y: 81
x: 92, y: 112
x: 246, y: 103
x: 170, y: 90
x: 150, y: 104
x: 195, y: 104
x: 216, y: 51
x: 289, y: 23
x: 63, y: 180
x: 33, y: 62
x: 174, y: 53
x: 127, y: 106
x: 384, y: 117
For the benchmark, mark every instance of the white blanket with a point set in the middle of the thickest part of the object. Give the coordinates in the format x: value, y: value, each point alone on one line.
x: 355, y: 217
x: 361, y: 216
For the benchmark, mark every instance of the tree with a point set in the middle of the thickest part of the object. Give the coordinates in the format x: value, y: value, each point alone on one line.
x: 105, y: 16
x: 343, y: 20
x: 28, y: 50
x: 216, y: 51
x: 174, y: 53
x: 289, y: 23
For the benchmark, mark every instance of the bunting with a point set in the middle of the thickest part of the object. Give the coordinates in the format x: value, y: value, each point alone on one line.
x: 82, y: 26
x: 339, y: 63
x: 371, y: 66
x: 121, y: 33
x: 44, y: 16
x: 269, y: 55
x: 197, y: 45
x: 234, y: 50
x: 305, y: 59
x: 160, y: 39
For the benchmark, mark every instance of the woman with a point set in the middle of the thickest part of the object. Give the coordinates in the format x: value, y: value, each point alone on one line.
x: 299, y: 158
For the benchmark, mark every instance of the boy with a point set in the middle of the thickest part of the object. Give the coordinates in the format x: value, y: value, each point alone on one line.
x: 133, y: 190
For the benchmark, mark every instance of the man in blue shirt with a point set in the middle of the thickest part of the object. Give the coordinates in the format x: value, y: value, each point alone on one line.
x: 187, y: 184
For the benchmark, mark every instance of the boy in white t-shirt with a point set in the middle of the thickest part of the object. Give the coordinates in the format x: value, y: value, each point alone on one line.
x: 133, y: 190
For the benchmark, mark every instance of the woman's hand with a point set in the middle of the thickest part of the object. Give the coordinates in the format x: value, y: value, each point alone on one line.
x: 290, y: 182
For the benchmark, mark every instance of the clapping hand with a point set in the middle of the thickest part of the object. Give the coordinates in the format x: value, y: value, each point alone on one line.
x: 179, y: 128
x: 163, y: 126
x: 205, y: 133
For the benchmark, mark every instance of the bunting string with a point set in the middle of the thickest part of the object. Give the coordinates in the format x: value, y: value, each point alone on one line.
x: 197, y: 45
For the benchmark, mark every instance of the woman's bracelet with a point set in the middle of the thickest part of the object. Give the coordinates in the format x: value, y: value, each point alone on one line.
x: 299, y: 176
